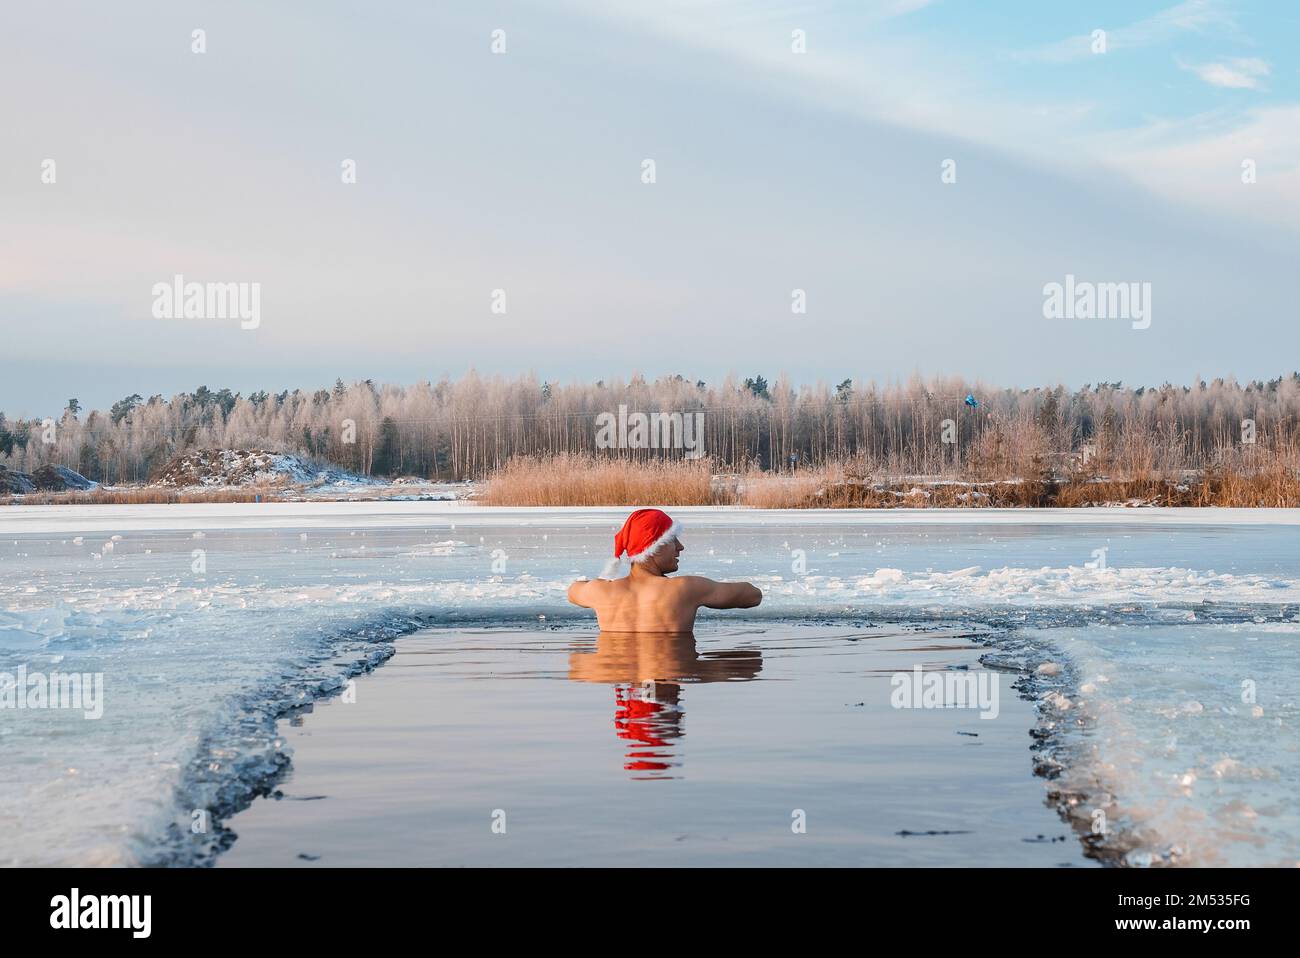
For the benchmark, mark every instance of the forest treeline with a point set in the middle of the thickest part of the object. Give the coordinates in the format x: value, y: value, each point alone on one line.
x: 469, y: 427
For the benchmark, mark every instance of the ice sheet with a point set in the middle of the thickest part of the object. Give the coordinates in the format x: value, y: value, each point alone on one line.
x: 206, y: 621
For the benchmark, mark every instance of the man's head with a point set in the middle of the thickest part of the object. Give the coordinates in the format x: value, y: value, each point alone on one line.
x: 664, y: 559
x: 649, y: 538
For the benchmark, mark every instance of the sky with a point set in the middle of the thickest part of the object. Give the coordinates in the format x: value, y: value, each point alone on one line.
x: 1113, y: 158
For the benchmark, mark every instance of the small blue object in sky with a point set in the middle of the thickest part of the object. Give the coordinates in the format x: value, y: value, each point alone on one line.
x: 972, y: 401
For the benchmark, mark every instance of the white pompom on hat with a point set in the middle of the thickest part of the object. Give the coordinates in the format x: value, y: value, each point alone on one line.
x: 641, y: 536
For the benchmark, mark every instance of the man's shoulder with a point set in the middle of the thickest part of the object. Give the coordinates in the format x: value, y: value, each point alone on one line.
x: 589, y: 592
x: 691, y: 583
x: 596, y: 583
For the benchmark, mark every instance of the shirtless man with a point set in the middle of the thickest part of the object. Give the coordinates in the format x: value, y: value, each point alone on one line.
x: 646, y: 600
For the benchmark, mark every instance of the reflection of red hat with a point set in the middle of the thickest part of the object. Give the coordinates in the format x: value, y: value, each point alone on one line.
x: 647, y: 723
x: 643, y: 533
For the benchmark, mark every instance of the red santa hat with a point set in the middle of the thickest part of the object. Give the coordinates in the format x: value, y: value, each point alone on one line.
x: 641, y: 536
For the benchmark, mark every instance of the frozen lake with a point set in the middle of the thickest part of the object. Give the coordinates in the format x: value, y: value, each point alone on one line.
x: 1167, y: 641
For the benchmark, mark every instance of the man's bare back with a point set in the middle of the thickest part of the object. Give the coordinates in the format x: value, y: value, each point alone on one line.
x: 647, y: 600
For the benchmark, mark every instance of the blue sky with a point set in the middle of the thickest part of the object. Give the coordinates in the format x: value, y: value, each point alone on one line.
x: 521, y: 171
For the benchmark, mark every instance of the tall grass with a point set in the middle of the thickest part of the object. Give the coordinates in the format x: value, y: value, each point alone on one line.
x: 766, y: 491
x: 575, y: 480
x: 142, y: 495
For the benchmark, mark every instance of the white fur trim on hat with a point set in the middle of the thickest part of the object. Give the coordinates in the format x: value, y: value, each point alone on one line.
x: 614, y: 568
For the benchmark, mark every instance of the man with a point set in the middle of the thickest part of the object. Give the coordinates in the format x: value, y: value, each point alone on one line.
x: 646, y: 600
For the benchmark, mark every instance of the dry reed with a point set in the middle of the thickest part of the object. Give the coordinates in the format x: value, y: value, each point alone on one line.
x: 142, y: 495
x: 576, y: 480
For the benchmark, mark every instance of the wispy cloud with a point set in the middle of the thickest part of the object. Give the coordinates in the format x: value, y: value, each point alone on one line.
x: 878, y: 75
x: 1235, y: 74
x: 900, y: 7
x: 1196, y: 16
x: 1201, y: 158
x: 893, y: 77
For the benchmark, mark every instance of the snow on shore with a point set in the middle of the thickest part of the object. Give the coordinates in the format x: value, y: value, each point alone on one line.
x: 60, y: 519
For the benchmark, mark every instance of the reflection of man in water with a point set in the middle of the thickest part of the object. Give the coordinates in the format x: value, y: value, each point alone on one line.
x: 647, y: 671
x: 651, y: 718
x: 646, y: 599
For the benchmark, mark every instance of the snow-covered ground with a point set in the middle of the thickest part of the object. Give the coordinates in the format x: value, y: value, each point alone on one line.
x: 405, y: 514
x: 283, y: 477
x: 219, y: 468
x: 207, y: 620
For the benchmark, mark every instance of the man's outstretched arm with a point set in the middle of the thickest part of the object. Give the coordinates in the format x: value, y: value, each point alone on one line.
x: 578, y: 593
x: 724, y: 595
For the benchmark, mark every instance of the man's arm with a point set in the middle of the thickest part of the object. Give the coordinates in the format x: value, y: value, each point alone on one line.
x: 723, y: 595
x: 578, y: 593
